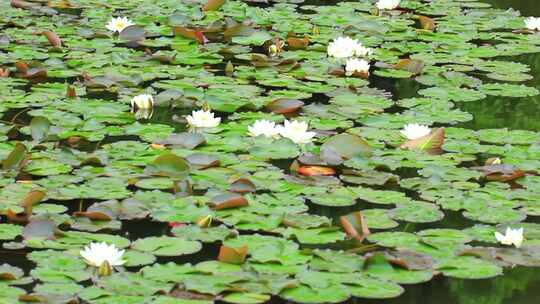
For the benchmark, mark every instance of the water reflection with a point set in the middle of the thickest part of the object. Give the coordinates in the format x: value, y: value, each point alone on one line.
x: 517, y: 286
x: 513, y: 113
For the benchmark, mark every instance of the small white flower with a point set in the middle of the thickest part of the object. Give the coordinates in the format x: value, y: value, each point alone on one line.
x: 356, y: 65
x: 362, y: 51
x: 533, y: 23
x: 387, y: 4
x: 297, y: 131
x: 415, y: 131
x: 143, y: 101
x: 512, y: 237
x: 203, y: 119
x: 342, y: 47
x: 118, y: 24
x: 96, y: 254
x: 263, y: 127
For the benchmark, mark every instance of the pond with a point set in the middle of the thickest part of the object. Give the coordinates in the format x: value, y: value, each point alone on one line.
x: 235, y: 151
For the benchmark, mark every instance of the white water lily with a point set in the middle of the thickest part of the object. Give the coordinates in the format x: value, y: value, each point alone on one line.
x: 297, y: 131
x: 415, y: 131
x: 362, y: 51
x: 533, y: 23
x: 342, y: 47
x: 144, y: 114
x: 143, y: 101
x: 118, y: 24
x: 203, y: 119
x: 512, y: 237
x: 354, y: 65
x: 387, y: 4
x: 95, y: 254
x: 263, y: 127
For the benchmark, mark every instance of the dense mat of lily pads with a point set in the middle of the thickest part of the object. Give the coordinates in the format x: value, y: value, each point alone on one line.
x: 298, y: 174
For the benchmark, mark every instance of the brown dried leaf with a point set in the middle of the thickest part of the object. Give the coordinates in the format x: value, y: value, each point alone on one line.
x: 22, y: 4
x: 316, y: 170
x: 93, y: 215
x: 70, y: 92
x: 12, y: 217
x: 190, y: 34
x: 502, y: 173
x: 15, y: 158
x: 22, y: 67
x: 228, y: 200
x: 32, y: 198
x: 53, y: 38
x: 232, y: 255
x: 427, y: 23
x: 355, y: 225
x: 295, y: 43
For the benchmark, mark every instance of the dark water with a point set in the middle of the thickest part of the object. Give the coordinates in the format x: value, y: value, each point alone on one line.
x: 513, y: 113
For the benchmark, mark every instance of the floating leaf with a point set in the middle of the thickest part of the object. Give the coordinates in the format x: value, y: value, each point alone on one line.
x: 170, y: 165
x: 283, y: 106
x: 186, y: 140
x: 344, y: 146
x: 40, y: 228
x: 412, y: 65
x: 242, y: 185
x: 132, y: 33
x: 39, y: 128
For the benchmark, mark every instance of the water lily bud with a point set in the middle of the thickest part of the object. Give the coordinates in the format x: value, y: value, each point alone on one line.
x: 105, y: 269
x: 229, y: 69
x: 144, y: 114
x: 493, y: 161
x: 273, y: 50
x: 204, y: 222
x: 143, y: 101
x: 315, y: 30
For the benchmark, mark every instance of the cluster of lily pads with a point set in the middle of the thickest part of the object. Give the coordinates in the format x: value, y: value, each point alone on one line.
x: 193, y: 151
